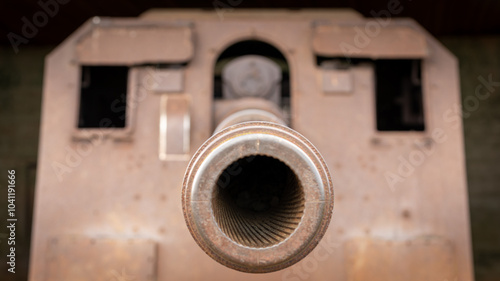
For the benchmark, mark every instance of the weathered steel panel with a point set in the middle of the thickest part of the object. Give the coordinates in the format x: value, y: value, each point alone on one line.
x: 369, y: 40
x: 129, y: 45
x: 82, y: 258
x: 417, y: 259
x: 115, y: 185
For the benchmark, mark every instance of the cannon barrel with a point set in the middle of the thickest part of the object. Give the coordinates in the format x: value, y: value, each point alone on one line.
x: 257, y: 196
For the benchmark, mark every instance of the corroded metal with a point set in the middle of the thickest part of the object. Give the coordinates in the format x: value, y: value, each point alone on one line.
x: 390, y: 223
x: 252, y: 76
x: 257, y: 197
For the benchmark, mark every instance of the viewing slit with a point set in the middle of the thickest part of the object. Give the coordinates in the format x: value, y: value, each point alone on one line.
x: 399, y: 98
x: 103, y: 97
x: 258, y: 201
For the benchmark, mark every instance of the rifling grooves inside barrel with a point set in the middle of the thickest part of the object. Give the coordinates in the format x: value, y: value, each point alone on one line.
x: 258, y: 201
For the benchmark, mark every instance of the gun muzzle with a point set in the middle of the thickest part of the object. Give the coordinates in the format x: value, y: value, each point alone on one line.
x: 257, y: 197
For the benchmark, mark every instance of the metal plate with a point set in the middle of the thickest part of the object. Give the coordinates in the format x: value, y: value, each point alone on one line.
x: 337, y: 81
x: 105, y: 45
x: 84, y: 258
x: 423, y: 258
x: 166, y: 81
x: 370, y: 40
x: 138, y: 195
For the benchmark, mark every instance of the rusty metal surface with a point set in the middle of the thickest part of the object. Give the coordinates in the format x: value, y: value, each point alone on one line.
x: 119, y: 187
x: 257, y: 241
x: 73, y: 258
x: 337, y: 81
x: 380, y: 259
x: 231, y: 112
x: 175, y: 127
x: 252, y: 76
x: 111, y: 44
x: 248, y: 115
x: 369, y: 40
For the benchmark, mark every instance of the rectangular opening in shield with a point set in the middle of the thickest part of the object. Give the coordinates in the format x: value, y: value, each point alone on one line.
x: 103, y: 97
x: 399, y: 100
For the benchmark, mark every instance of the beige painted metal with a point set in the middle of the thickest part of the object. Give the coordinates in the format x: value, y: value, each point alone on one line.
x: 369, y: 40
x: 135, y: 43
x: 102, y: 187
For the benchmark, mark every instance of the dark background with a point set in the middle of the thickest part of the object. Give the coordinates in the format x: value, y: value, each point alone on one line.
x: 441, y: 18
x: 471, y: 30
